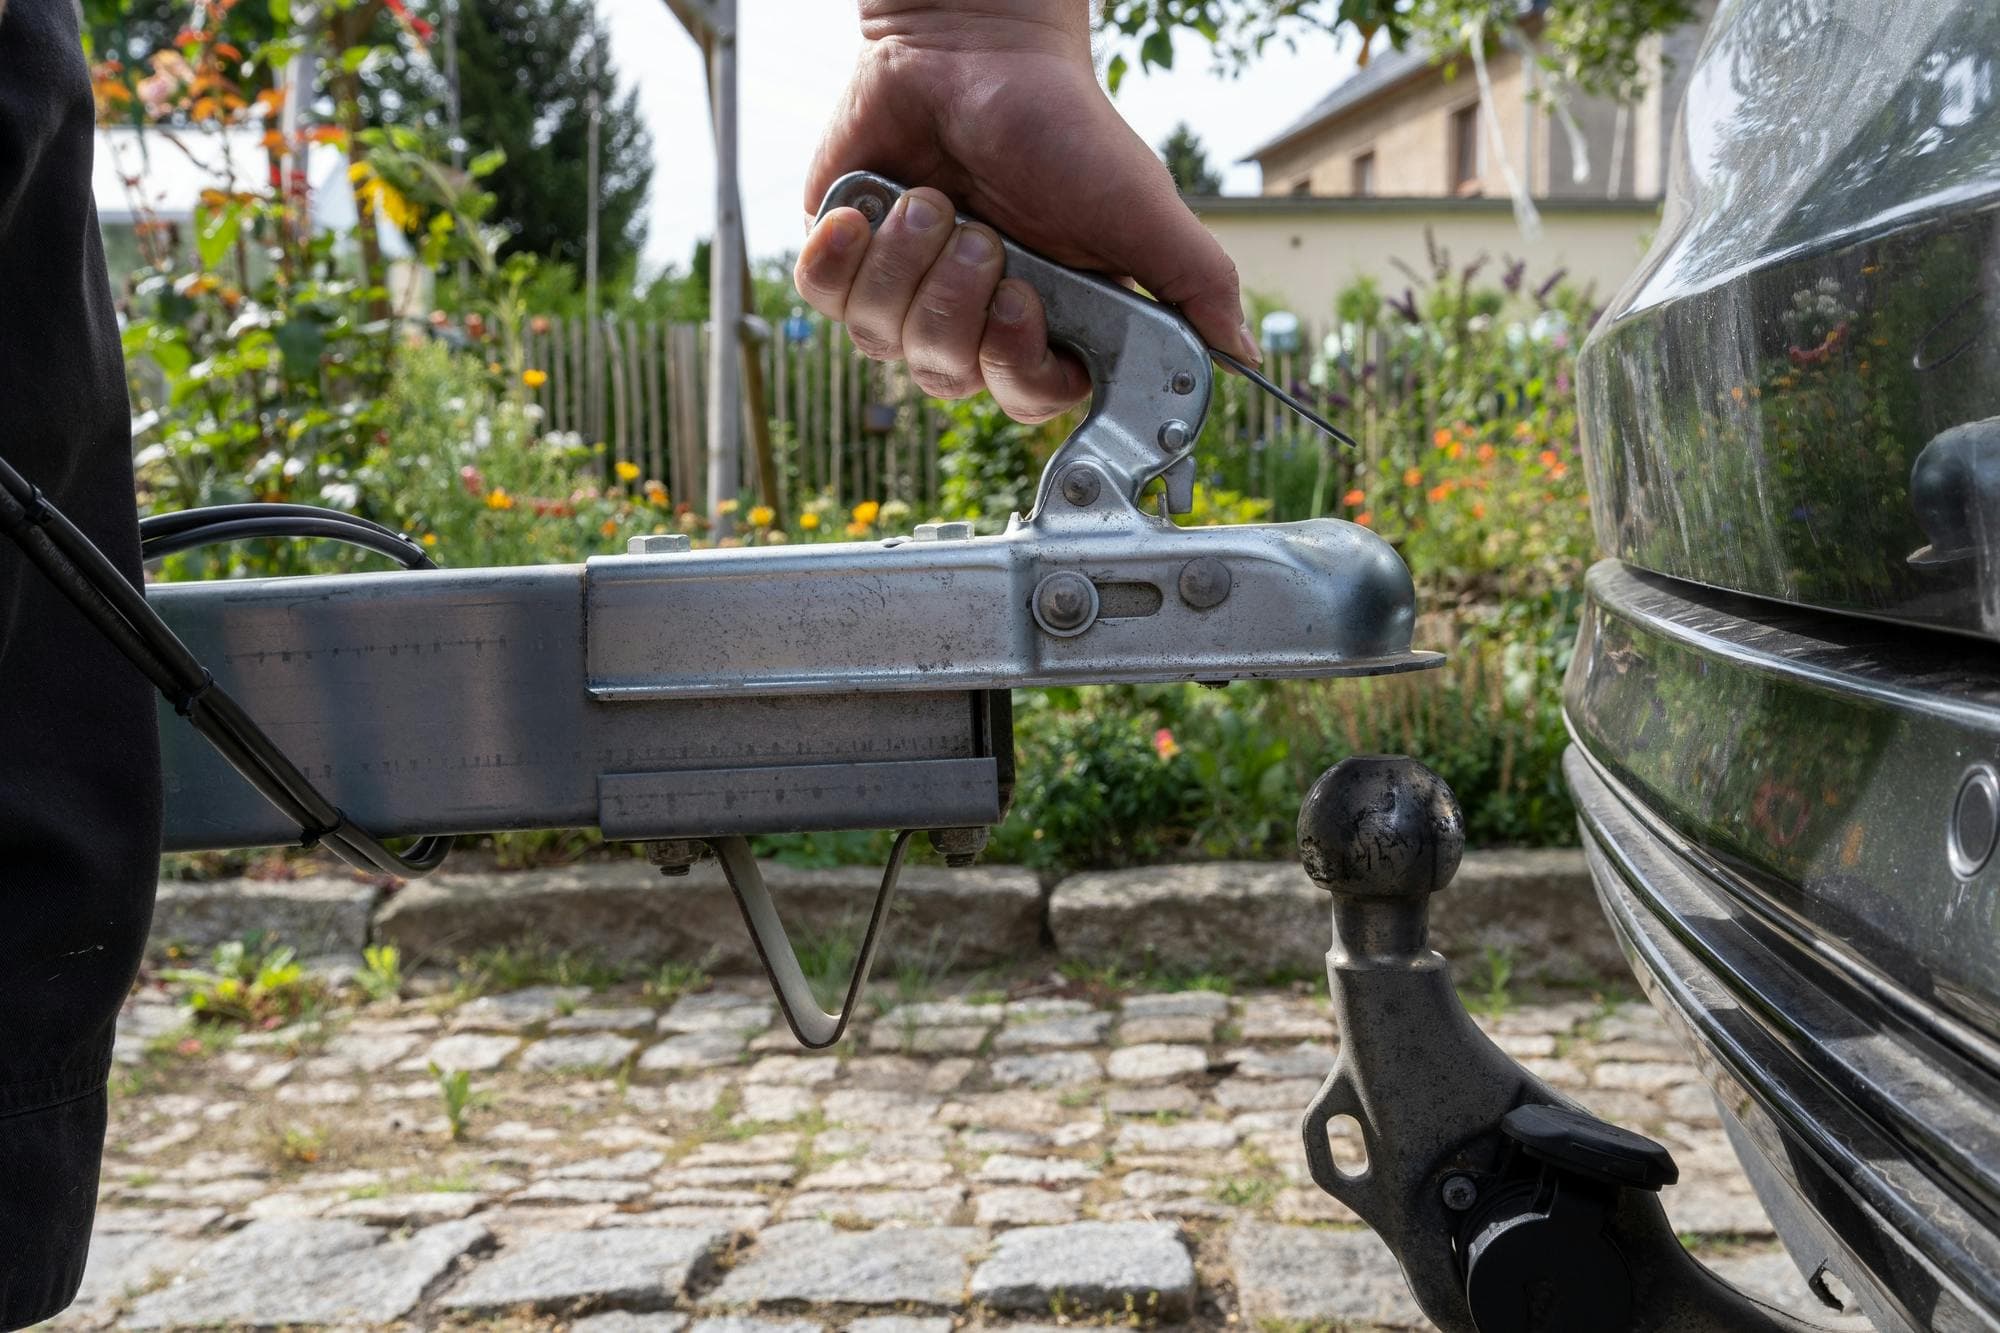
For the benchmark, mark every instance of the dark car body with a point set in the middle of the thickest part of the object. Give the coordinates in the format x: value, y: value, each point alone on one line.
x: 1785, y: 700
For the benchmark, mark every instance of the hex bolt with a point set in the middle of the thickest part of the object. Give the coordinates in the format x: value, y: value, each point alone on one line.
x: 1065, y: 603
x: 1174, y: 436
x: 1080, y: 485
x: 676, y: 856
x: 1459, y: 1193
x: 958, y: 846
x: 1204, y: 582
x: 659, y: 543
x: 1183, y: 382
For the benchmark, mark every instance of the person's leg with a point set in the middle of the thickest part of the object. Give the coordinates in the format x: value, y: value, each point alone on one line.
x: 79, y: 751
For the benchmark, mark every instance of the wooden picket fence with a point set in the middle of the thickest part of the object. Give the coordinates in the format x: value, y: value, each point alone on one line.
x: 861, y: 429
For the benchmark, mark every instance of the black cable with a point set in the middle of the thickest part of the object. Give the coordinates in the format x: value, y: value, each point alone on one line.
x: 120, y: 611
x: 394, y: 545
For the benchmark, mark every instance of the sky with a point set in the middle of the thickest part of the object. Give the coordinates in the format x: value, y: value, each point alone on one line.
x: 793, y: 59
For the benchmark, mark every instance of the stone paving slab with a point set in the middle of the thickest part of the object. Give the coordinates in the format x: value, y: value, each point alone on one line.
x: 308, y: 1177
x: 307, y: 1272
x: 1137, y: 1267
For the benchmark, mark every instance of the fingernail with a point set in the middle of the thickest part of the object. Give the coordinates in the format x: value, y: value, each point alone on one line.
x: 973, y: 246
x: 1009, y: 304
x: 920, y: 213
x: 842, y: 233
x: 1251, y: 351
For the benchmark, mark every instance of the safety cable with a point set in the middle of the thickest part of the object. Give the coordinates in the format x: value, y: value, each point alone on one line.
x: 85, y: 576
x: 183, y: 529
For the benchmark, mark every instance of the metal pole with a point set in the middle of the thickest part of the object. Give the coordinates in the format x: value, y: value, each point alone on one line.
x: 452, y: 109
x: 725, y: 291
x: 594, y: 378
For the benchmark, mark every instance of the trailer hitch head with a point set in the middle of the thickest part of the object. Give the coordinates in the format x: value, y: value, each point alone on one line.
x: 1509, y: 1208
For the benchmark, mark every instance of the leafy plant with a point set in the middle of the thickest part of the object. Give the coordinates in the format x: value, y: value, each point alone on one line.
x: 248, y: 985
x: 381, y: 975
x: 455, y: 1091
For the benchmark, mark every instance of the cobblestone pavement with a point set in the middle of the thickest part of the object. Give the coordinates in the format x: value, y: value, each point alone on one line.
x: 629, y: 1166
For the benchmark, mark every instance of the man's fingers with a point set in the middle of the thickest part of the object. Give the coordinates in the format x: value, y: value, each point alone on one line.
x: 947, y: 320
x: 829, y: 260
x: 1163, y: 245
x: 1029, y: 379
x: 907, y: 243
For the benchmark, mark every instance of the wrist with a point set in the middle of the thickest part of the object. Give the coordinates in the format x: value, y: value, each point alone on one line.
x: 1046, y: 26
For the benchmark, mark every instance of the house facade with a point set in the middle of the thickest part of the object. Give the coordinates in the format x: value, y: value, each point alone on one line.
x: 1406, y: 145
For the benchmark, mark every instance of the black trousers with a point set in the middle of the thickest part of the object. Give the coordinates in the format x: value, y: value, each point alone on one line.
x: 79, y: 749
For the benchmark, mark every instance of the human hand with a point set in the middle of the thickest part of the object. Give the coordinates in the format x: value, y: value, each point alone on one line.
x: 994, y: 106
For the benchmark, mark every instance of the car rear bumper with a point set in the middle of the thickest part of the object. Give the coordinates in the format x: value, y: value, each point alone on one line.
x: 1856, y: 1083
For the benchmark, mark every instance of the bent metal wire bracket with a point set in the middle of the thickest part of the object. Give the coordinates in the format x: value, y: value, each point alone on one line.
x: 814, y: 1027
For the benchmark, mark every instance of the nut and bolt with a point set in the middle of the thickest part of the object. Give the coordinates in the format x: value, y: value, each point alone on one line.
x: 1183, y: 382
x: 1065, y: 603
x: 957, y: 530
x: 1204, y: 582
x: 676, y: 856
x: 1174, y: 436
x: 1081, y: 485
x: 659, y: 543
x: 1459, y: 1193
x: 958, y: 846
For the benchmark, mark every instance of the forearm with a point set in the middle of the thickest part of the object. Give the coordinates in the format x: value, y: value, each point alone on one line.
x: 1050, y: 25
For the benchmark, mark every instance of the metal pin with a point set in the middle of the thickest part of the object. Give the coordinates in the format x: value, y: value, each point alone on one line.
x: 1256, y: 378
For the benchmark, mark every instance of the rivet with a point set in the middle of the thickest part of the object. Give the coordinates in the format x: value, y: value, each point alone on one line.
x: 1174, y: 436
x: 1204, y: 582
x: 1183, y: 382
x: 1459, y: 1193
x: 1080, y: 485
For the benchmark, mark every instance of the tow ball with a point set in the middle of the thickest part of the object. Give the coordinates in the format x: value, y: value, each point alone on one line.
x: 1510, y: 1208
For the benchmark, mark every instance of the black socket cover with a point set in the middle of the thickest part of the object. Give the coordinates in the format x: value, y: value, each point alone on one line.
x: 1586, y: 1146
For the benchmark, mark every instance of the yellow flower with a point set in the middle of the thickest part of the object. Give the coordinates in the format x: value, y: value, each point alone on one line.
x: 726, y: 506
x: 857, y: 529
x: 533, y: 378
x: 656, y: 494
x: 430, y: 539
x: 866, y: 512
x: 809, y: 521
x: 627, y: 471
x: 762, y: 515
x: 776, y: 537
x: 497, y: 498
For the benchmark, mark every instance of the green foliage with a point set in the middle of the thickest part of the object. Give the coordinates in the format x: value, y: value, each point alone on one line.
x: 1591, y: 44
x: 381, y: 975
x: 988, y: 462
x: 249, y: 984
x: 516, y: 967
x: 465, y: 470
x: 671, y: 980
x: 455, y: 1091
x: 1187, y: 162
x: 1494, y: 996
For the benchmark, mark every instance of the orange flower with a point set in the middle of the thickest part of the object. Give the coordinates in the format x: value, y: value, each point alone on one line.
x: 1485, y: 453
x: 1455, y: 451
x: 1548, y: 458
x: 1524, y: 430
x: 1365, y: 519
x: 1737, y: 393
x: 1353, y: 498
x: 1559, y: 471
x: 497, y: 498
x: 1164, y: 744
x: 1413, y: 476
x: 1442, y: 439
x: 1479, y: 509
x: 1438, y: 492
